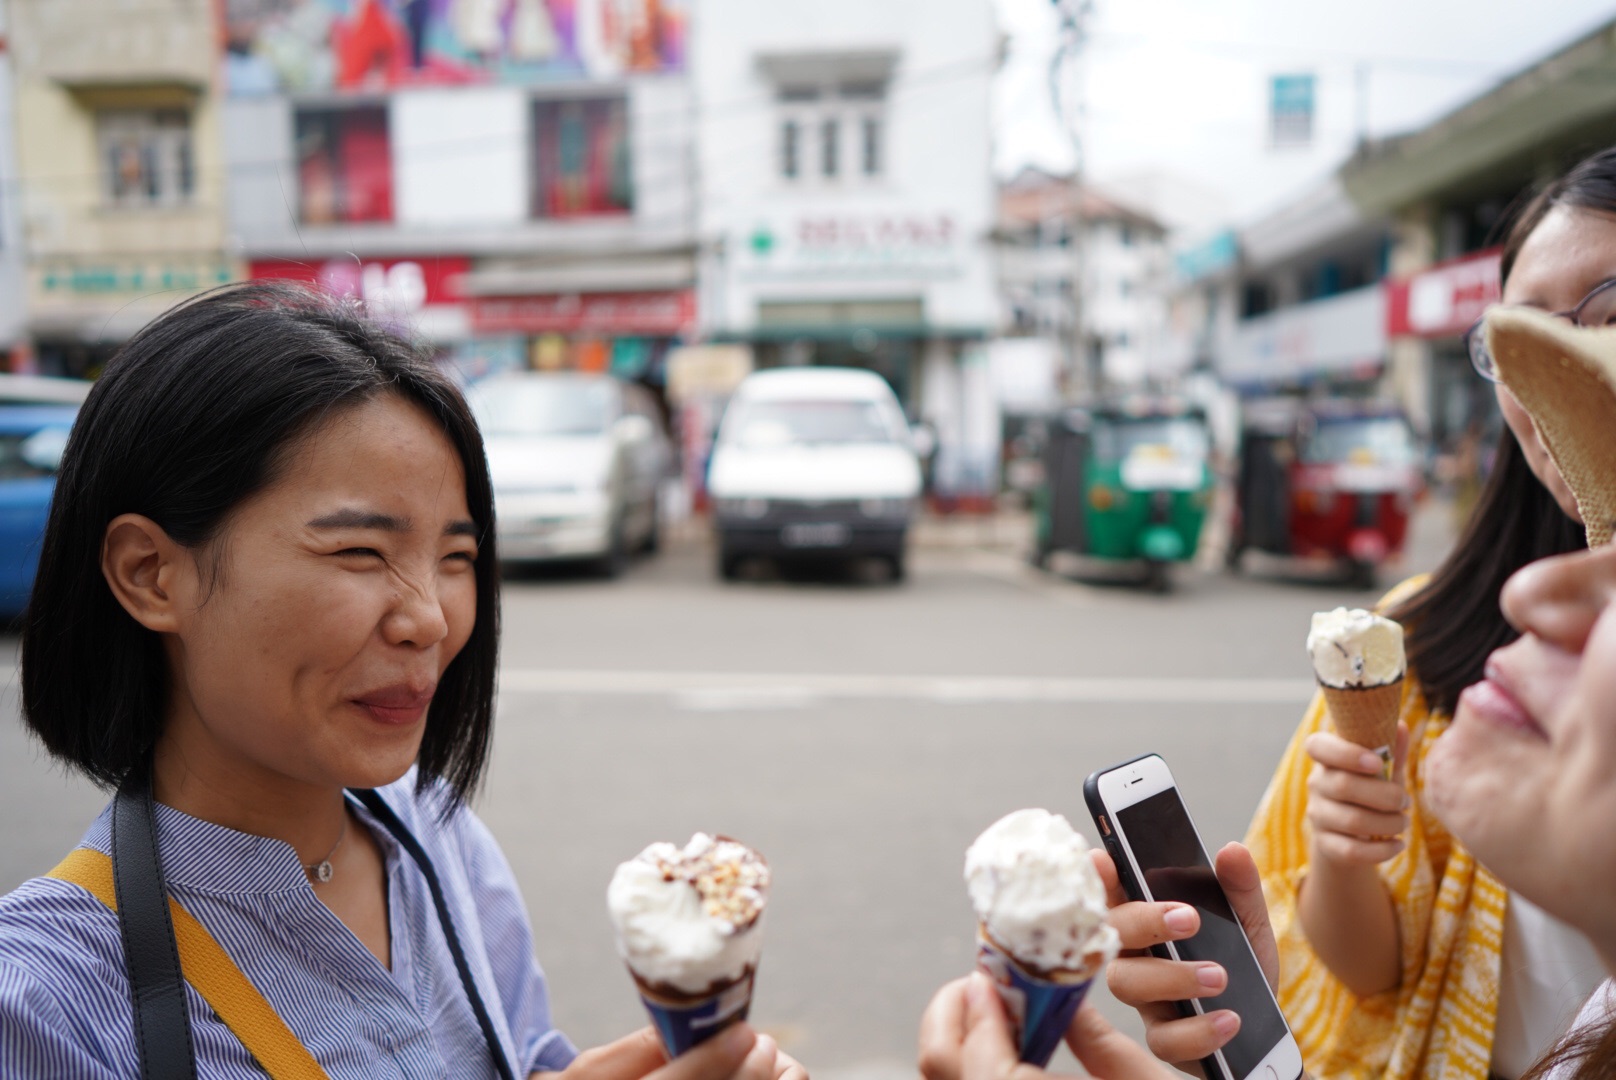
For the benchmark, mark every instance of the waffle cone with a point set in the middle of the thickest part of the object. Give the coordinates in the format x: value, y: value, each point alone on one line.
x: 1366, y: 715
x: 1565, y: 376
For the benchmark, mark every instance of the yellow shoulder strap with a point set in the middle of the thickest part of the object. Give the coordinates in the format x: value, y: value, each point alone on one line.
x: 210, y: 970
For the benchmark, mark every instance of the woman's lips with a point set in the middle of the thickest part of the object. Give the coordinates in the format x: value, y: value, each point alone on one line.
x: 396, y: 705
x: 1491, y: 700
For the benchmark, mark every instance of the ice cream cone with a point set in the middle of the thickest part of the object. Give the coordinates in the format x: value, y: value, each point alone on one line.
x: 1042, y: 932
x: 1367, y: 715
x: 686, y: 1020
x: 689, y: 928
x: 1040, y: 1004
x: 1565, y: 376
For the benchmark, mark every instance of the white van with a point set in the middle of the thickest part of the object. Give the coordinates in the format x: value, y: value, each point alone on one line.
x: 813, y: 462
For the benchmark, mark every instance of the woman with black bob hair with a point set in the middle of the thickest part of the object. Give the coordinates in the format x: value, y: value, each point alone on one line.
x: 267, y: 615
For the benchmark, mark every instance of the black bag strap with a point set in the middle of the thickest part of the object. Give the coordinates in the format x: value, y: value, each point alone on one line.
x: 384, y: 814
x: 156, y: 985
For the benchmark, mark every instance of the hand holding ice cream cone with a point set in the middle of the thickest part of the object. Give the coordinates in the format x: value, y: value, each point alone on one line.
x: 966, y: 1035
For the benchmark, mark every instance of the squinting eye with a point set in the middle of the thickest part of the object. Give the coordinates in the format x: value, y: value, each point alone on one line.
x: 469, y: 557
x: 372, y: 552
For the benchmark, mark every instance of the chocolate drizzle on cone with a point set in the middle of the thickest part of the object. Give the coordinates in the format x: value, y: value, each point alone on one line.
x: 670, y: 996
x: 1093, y: 961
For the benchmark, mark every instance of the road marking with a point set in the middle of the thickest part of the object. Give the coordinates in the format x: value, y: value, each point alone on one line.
x: 712, y: 690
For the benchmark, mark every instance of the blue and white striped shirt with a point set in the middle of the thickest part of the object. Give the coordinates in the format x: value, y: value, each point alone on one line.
x: 64, y: 994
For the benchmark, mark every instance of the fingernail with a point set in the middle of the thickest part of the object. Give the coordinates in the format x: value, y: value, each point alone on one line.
x: 1209, y: 975
x: 1370, y: 762
x: 738, y: 1038
x: 1180, y: 920
x: 1225, y: 1024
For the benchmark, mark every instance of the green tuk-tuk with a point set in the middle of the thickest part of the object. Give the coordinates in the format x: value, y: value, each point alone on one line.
x: 1126, y: 484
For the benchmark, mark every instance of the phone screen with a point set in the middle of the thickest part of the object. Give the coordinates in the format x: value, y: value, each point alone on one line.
x: 1174, y: 865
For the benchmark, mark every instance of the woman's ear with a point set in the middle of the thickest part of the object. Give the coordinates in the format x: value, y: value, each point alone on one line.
x: 145, y: 570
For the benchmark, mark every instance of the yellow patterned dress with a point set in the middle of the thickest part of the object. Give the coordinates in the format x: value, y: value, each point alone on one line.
x: 1438, y: 1023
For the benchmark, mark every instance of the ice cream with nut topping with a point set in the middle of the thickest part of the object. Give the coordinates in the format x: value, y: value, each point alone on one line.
x: 1038, y: 897
x: 688, y: 926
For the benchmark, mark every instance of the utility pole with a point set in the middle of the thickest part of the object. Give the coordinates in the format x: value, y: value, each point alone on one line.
x: 1065, y: 88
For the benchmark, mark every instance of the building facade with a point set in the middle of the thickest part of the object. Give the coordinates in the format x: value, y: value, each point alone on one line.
x: 846, y: 193
x: 1449, y: 190
x: 516, y: 186
x: 1310, y: 299
x: 118, y: 179
x: 1111, y: 322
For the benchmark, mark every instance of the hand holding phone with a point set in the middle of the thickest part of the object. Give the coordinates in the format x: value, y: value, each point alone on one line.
x: 1159, y: 859
x: 1155, y: 986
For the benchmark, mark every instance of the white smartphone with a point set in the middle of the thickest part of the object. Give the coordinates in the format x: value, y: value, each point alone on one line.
x: 1159, y: 856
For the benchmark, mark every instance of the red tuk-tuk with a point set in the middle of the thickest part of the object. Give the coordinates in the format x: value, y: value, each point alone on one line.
x: 1325, y: 480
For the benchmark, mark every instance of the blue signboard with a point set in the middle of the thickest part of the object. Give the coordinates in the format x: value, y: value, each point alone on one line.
x: 1292, y: 110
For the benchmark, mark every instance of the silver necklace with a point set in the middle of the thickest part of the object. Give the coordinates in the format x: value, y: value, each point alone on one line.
x: 321, y: 871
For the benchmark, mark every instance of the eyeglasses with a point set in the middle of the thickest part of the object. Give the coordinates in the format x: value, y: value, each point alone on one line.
x: 1598, y: 308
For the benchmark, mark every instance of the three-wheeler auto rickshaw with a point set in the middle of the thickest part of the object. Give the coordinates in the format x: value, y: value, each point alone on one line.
x: 1126, y: 484
x: 1325, y: 480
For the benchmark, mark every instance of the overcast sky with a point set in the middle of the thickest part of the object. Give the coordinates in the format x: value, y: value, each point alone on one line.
x: 1179, y: 87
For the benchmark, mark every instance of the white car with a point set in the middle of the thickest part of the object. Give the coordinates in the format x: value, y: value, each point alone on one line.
x: 576, y: 461
x: 813, y: 462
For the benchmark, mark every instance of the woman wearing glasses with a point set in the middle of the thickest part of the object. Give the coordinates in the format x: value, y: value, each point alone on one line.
x: 1404, y: 956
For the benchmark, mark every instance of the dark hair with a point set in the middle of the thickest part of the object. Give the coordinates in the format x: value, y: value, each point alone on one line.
x: 196, y: 413
x: 1454, y: 623
x: 1589, y: 1054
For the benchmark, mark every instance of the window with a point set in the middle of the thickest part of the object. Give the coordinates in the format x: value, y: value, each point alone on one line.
x: 843, y: 125
x: 344, y: 165
x: 146, y: 157
x: 581, y: 158
x: 870, y: 159
x: 830, y: 135
x: 790, y: 149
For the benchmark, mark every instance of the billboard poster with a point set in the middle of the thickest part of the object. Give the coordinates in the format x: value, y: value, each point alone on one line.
x: 320, y: 46
x: 1291, y: 110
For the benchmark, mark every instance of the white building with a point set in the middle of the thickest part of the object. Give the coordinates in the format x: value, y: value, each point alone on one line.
x: 846, y: 194
x: 519, y: 189
x: 1124, y: 280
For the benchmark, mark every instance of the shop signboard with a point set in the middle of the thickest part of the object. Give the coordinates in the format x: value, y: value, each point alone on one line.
x: 398, y: 286
x: 1290, y: 116
x: 869, y: 243
x: 365, y: 46
x: 1445, y: 300
x: 664, y: 313
x: 1343, y: 335
x: 82, y: 280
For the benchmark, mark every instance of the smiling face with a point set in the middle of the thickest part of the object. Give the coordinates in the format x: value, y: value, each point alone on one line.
x: 1566, y: 257
x: 312, y: 633
x: 1526, y: 775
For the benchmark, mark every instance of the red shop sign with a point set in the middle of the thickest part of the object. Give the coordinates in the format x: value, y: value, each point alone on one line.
x: 671, y: 312
x: 1445, y: 300
x: 399, y: 284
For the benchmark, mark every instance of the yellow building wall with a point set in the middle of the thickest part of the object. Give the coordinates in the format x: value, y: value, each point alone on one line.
x: 88, y: 259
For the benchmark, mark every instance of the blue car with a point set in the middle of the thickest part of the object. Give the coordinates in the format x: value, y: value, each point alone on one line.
x: 32, y: 438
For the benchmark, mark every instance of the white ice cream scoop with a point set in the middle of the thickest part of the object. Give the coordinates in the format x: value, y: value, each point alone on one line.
x: 1037, y: 895
x: 1353, y: 647
x: 688, y: 918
